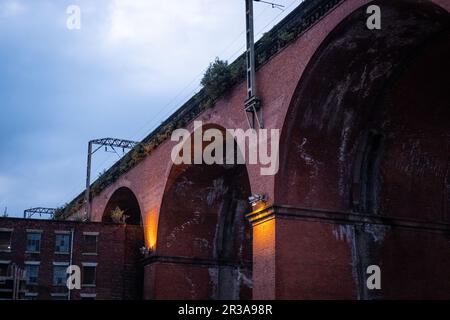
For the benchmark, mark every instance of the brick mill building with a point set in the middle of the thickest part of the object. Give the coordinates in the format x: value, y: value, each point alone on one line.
x: 364, y: 172
x: 107, y: 254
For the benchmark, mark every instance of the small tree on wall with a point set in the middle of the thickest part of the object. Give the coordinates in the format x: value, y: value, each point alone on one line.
x: 218, y: 79
x: 118, y: 215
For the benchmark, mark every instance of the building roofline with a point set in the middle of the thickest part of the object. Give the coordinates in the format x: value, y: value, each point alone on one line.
x: 14, y: 219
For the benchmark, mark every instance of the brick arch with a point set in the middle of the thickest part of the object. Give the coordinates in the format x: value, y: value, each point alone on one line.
x: 335, y: 134
x: 125, y: 199
x: 202, y: 229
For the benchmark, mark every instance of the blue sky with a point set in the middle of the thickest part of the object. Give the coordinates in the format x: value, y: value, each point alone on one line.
x: 130, y: 65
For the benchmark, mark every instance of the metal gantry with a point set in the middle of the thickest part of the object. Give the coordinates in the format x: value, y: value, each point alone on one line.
x: 105, y: 142
x: 27, y: 214
x: 113, y: 142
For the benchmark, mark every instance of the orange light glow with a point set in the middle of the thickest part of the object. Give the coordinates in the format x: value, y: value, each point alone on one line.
x: 151, y: 228
x: 259, y: 206
x: 264, y: 238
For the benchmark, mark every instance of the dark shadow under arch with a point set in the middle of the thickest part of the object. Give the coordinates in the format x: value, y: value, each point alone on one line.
x: 368, y: 131
x: 355, y: 112
x: 202, y: 226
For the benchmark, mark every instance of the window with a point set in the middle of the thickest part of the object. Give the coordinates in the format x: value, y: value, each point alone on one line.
x: 62, y: 244
x: 88, y: 296
x: 33, y: 242
x: 90, y: 243
x: 32, y: 272
x: 59, y: 274
x: 31, y: 296
x: 4, y: 268
x: 89, y: 271
x: 5, y: 295
x: 5, y: 240
x: 59, y: 296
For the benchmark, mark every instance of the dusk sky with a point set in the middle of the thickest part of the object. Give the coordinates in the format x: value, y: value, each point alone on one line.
x: 132, y: 63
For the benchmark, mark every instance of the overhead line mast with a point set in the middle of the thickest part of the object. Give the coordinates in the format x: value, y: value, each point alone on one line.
x: 106, y: 142
x: 252, y: 106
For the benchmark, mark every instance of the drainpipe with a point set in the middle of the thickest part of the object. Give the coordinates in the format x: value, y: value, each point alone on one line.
x: 71, y: 256
x: 14, y: 278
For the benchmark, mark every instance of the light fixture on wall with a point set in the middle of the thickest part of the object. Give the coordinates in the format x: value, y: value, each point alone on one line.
x: 145, y: 251
x: 257, y: 199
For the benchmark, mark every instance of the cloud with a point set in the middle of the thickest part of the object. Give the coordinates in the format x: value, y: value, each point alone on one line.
x: 6, y: 184
x: 165, y: 43
x: 10, y: 8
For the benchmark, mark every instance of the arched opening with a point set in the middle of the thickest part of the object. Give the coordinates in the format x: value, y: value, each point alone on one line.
x: 367, y: 129
x: 123, y: 201
x: 203, y: 229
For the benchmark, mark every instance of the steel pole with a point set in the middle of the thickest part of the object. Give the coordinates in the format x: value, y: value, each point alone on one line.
x: 88, y: 183
x: 250, y: 36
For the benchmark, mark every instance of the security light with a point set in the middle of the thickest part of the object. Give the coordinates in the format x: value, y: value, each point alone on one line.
x: 145, y: 251
x: 256, y: 198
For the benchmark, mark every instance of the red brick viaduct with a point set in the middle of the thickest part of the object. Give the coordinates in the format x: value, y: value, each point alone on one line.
x: 364, y: 173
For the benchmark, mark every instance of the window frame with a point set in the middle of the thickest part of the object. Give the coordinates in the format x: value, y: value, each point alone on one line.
x: 60, y: 265
x: 62, y: 234
x: 59, y: 296
x: 31, y: 295
x: 7, y: 263
x: 86, y: 235
x: 36, y: 264
x: 31, y: 232
x: 93, y: 265
x: 88, y: 296
x: 8, y: 247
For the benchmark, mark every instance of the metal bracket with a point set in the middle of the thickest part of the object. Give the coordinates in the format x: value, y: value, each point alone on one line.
x: 253, y: 112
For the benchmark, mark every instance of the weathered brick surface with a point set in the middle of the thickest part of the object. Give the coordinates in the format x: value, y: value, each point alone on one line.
x: 327, y: 91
